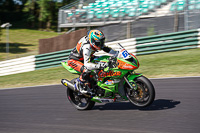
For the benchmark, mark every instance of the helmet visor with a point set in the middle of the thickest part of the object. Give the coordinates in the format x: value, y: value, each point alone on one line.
x: 100, y: 43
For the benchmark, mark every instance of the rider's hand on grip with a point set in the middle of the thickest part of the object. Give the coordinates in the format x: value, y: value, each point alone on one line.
x: 112, y: 62
x: 112, y: 58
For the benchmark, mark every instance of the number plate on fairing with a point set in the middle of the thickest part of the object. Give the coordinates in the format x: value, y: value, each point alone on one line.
x: 125, y: 54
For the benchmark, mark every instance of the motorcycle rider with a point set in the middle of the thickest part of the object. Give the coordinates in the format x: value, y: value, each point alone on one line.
x: 81, y: 56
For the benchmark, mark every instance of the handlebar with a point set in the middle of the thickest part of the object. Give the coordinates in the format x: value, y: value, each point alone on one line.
x: 112, y: 63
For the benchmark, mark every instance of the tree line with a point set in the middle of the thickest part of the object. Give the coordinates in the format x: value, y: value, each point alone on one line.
x: 42, y: 14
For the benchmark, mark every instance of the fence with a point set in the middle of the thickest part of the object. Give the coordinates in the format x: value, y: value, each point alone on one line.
x: 168, y: 42
x: 51, y: 59
x: 18, y: 65
x: 139, y: 46
x: 160, y: 43
x: 61, y: 42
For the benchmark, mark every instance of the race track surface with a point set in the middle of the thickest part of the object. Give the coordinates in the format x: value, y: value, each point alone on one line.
x: 176, y: 109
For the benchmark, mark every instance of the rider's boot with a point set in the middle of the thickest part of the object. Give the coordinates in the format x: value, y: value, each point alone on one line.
x: 81, y: 86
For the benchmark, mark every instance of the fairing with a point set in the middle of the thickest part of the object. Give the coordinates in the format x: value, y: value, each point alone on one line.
x: 70, y: 69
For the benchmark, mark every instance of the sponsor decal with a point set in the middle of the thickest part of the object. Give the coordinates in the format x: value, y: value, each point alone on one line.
x: 124, y: 65
x: 73, y: 65
x: 110, y: 73
x: 129, y: 67
x: 104, y: 100
x: 65, y: 84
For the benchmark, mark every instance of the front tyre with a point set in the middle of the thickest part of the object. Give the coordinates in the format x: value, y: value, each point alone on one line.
x: 145, y: 93
x: 78, y: 100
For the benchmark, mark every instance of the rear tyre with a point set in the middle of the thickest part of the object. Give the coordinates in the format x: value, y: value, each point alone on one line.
x: 145, y: 93
x: 78, y: 100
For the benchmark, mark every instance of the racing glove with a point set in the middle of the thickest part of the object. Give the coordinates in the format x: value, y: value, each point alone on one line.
x: 102, y: 65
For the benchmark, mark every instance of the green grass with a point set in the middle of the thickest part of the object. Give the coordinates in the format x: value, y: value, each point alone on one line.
x: 38, y: 77
x: 22, y: 42
x: 170, y: 64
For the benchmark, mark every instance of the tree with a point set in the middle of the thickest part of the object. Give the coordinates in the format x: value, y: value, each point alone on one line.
x: 48, y: 11
x: 7, y: 5
x: 43, y: 12
x: 11, y: 11
x: 35, y: 13
x: 0, y: 31
x: 31, y: 11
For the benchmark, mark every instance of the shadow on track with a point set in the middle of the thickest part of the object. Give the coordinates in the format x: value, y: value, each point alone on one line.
x: 159, y: 104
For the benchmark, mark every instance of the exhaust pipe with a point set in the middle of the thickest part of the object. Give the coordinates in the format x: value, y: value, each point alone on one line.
x: 68, y: 84
x: 71, y: 86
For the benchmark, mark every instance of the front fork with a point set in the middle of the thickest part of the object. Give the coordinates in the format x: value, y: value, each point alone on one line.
x: 130, y: 80
x: 132, y: 86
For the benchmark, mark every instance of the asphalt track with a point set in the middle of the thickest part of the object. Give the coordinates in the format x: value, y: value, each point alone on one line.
x: 45, y: 109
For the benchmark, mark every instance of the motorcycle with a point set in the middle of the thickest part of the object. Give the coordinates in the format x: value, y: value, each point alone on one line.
x: 116, y: 83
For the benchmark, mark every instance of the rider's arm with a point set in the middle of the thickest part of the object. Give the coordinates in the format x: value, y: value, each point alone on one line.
x: 87, y: 53
x: 109, y: 50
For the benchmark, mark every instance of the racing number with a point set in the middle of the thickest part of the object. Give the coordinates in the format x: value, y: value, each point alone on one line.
x: 125, y: 53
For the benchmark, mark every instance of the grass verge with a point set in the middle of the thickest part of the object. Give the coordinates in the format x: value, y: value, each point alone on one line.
x: 22, y: 42
x: 170, y: 64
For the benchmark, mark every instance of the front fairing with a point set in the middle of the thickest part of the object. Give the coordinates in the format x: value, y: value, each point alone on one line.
x: 129, y: 64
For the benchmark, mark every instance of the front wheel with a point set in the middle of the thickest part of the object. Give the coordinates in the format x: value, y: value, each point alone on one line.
x: 78, y: 100
x: 145, y: 93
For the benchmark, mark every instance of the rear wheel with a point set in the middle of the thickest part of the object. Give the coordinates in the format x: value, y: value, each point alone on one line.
x: 145, y: 93
x: 78, y: 100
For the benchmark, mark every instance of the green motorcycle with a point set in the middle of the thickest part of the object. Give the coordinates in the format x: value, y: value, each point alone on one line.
x: 118, y: 82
